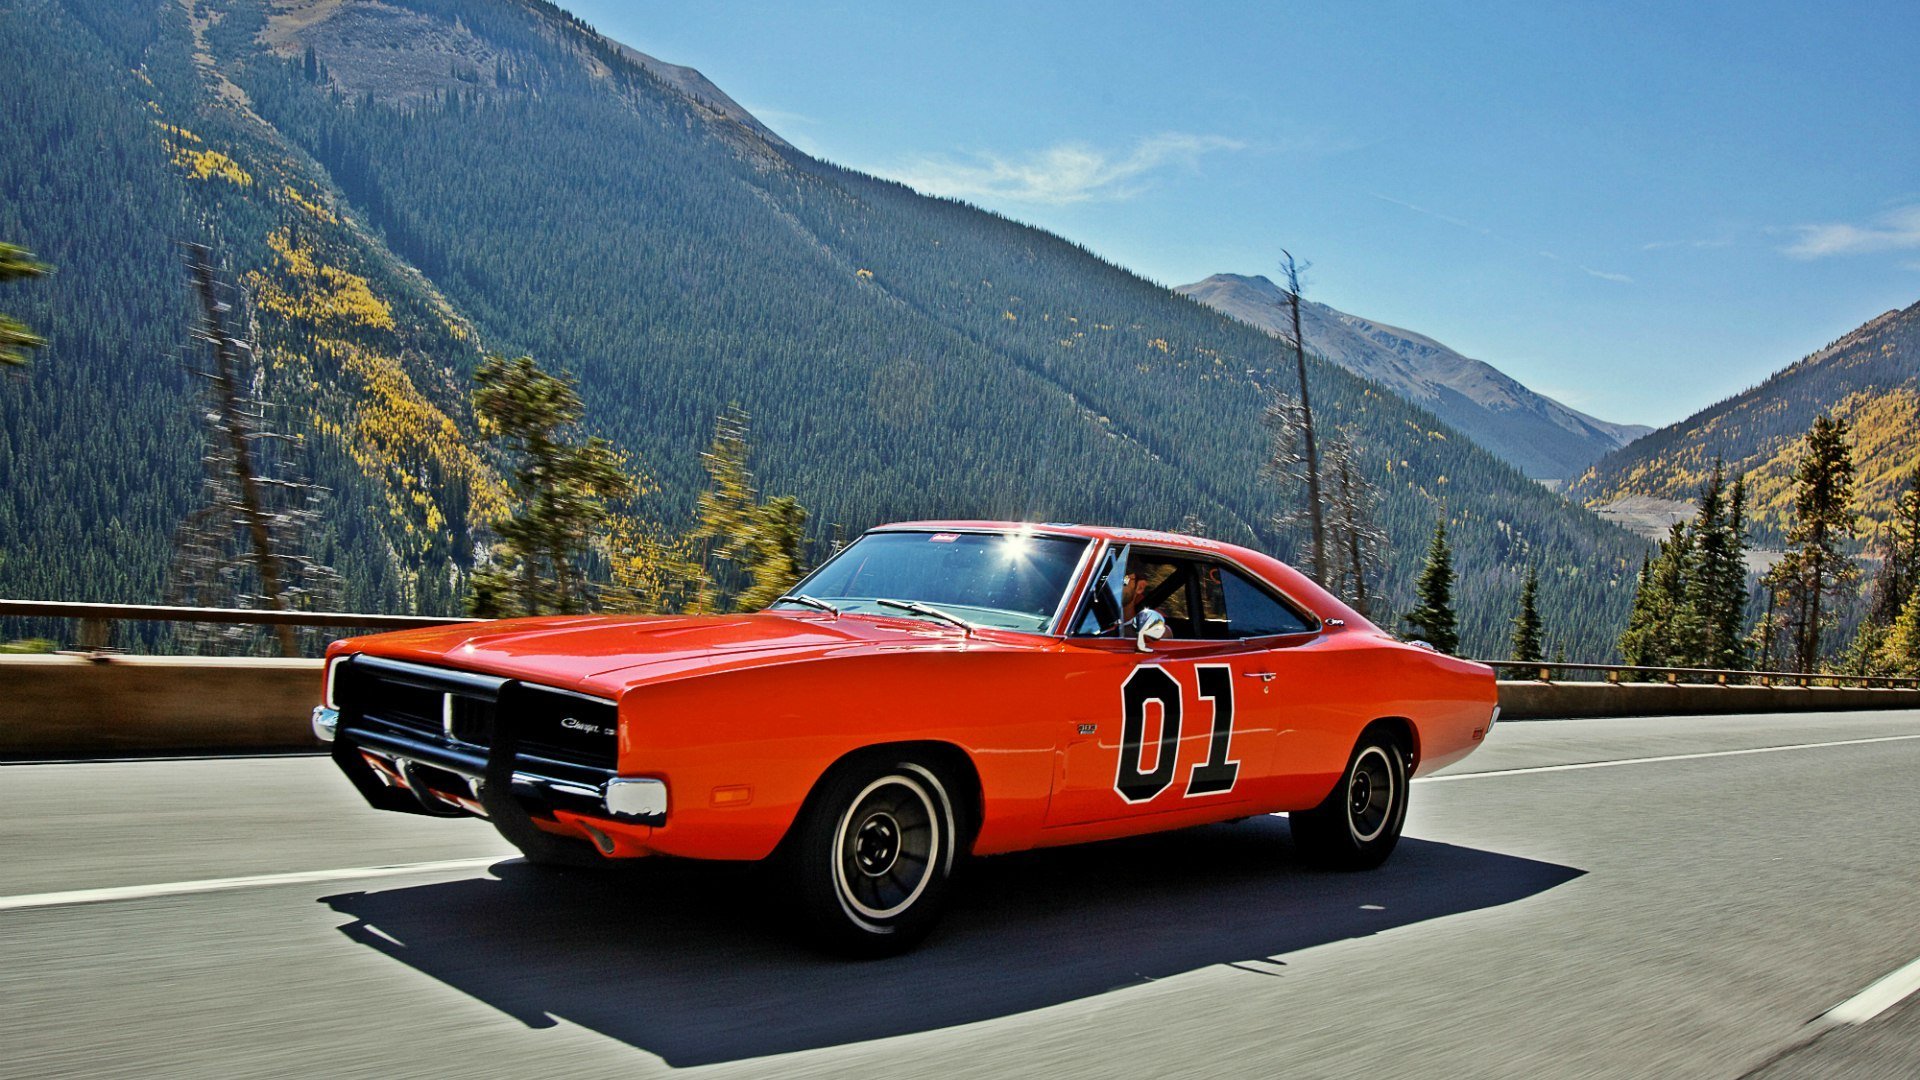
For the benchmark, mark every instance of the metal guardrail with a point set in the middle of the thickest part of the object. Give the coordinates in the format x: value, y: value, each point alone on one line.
x: 94, y: 618
x: 1676, y: 676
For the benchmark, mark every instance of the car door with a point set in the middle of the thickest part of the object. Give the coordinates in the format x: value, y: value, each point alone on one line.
x: 1188, y: 726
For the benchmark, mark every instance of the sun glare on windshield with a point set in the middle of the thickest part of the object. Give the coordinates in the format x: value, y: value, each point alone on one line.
x: 1017, y: 547
x: 1008, y: 581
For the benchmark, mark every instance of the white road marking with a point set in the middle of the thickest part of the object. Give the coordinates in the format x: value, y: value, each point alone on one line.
x: 1900, y: 984
x: 1875, y: 999
x: 183, y: 888
x: 1664, y: 757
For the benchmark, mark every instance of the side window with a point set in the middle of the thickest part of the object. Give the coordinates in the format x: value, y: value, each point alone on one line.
x: 1159, y: 582
x: 1213, y: 601
x: 1152, y: 580
x: 1250, y: 610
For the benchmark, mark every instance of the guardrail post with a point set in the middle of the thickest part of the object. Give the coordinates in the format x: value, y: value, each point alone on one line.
x: 94, y: 635
x: 1613, y: 677
x: 1673, y: 678
x: 1546, y: 674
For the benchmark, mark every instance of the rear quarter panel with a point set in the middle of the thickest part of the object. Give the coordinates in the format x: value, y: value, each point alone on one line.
x: 1348, y: 680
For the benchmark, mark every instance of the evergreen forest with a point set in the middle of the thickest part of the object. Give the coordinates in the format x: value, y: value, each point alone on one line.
x: 508, y: 182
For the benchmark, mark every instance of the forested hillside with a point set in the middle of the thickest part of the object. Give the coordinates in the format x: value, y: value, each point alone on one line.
x: 490, y: 175
x: 1870, y: 378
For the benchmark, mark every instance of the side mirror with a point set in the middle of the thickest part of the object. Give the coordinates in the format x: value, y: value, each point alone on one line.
x: 1150, y: 626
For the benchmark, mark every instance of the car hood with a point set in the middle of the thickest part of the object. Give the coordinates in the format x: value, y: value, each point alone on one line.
x: 605, y: 654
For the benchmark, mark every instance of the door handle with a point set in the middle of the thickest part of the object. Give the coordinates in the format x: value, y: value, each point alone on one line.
x: 1263, y: 676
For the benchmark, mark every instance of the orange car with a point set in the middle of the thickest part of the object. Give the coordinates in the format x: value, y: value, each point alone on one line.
x: 934, y: 690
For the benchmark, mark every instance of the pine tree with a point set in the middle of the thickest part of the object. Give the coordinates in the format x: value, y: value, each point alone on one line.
x: 1636, y: 641
x: 778, y: 558
x: 749, y: 553
x: 1432, y: 619
x: 561, y: 489
x: 725, y: 514
x: 1899, y: 573
x: 1526, y: 644
x: 1716, y: 586
x: 1662, y: 629
x: 15, y: 338
x: 1899, y: 654
x: 1729, y: 612
x: 1816, y: 566
x: 1895, y: 583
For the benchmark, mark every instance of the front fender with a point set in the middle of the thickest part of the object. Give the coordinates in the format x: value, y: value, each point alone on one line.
x: 740, y: 750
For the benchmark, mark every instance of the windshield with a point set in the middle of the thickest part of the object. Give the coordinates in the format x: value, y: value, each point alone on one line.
x: 1009, y: 581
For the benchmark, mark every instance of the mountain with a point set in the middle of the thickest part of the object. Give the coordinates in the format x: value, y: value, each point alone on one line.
x: 1870, y: 377
x: 400, y: 186
x: 1541, y: 437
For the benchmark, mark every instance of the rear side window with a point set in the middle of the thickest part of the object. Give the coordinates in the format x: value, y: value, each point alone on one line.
x: 1234, y: 607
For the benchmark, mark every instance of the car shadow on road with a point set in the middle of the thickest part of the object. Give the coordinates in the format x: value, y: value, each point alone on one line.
x: 691, y: 962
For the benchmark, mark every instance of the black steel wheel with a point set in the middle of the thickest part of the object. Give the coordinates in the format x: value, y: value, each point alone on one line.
x: 1359, y: 822
x: 872, y: 856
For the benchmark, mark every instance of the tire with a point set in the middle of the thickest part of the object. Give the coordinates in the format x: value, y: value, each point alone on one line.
x: 872, y: 857
x: 1359, y: 822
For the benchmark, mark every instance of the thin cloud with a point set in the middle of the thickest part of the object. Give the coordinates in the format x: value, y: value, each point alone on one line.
x: 1604, y: 275
x: 1448, y: 218
x: 1070, y: 172
x: 1896, y: 230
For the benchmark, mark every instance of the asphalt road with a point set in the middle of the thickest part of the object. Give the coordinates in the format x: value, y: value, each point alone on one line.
x: 1693, y: 915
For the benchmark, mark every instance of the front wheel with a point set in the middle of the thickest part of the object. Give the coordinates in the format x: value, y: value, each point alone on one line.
x: 1359, y: 822
x: 872, y: 857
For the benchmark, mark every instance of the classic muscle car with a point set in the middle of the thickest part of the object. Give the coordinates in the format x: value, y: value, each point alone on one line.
x: 934, y: 690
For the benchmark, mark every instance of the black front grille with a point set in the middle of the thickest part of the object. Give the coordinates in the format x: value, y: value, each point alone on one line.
x: 457, y: 709
x: 412, y: 708
x: 566, y: 727
x: 471, y: 721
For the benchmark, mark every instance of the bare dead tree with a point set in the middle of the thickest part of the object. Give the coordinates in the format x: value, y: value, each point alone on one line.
x: 1359, y: 544
x: 243, y: 548
x: 1310, y: 452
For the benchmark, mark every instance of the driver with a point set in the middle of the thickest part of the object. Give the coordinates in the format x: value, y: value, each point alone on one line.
x: 1133, y: 595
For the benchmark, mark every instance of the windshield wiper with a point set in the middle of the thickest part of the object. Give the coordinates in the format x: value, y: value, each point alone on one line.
x: 803, y: 598
x: 918, y: 608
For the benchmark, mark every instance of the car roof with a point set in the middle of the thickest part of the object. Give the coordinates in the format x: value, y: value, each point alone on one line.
x: 1056, y: 528
x: 1295, y: 584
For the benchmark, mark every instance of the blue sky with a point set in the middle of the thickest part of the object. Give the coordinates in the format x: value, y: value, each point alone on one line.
x: 1637, y: 208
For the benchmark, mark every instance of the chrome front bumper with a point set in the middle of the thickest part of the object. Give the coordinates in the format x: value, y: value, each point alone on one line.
x: 641, y: 800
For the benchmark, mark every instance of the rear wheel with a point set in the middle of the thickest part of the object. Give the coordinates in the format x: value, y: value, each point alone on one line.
x: 1359, y: 822
x: 872, y: 856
